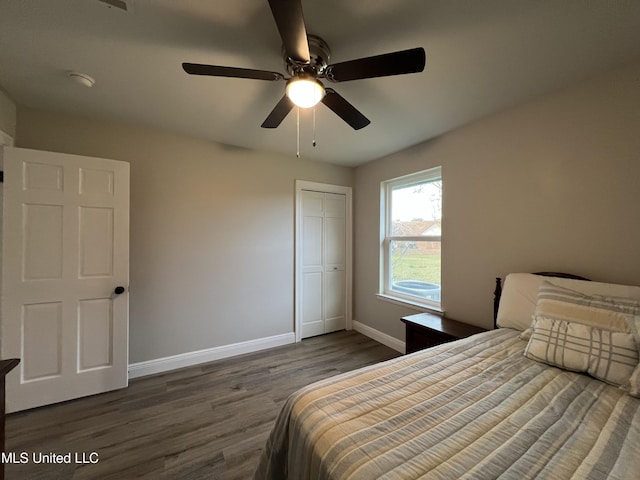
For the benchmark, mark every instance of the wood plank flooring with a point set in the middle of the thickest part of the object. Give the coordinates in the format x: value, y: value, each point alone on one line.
x: 210, y: 421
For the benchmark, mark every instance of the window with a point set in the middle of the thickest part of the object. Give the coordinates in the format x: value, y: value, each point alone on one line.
x: 411, y: 238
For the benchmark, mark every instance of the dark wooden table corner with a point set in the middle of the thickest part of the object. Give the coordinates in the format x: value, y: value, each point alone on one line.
x: 5, y: 367
x: 424, y: 330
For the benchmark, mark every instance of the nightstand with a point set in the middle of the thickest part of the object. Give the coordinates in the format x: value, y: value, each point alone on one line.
x: 425, y: 330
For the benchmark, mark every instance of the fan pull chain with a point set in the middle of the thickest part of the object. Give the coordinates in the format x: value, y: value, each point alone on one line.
x: 314, y: 127
x: 298, y: 132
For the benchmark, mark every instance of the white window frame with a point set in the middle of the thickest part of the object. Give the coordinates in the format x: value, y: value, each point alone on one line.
x: 386, y: 187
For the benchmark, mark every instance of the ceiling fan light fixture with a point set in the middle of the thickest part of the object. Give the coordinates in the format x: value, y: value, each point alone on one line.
x: 305, y: 91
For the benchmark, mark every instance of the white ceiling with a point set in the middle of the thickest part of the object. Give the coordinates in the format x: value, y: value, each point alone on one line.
x: 482, y: 56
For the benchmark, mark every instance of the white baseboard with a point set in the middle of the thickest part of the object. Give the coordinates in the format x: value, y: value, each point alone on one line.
x: 378, y: 336
x: 182, y: 360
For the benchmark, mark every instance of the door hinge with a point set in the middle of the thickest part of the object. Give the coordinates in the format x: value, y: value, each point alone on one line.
x: 1, y: 176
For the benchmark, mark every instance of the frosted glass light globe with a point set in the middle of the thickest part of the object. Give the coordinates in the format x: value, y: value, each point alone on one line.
x: 305, y: 92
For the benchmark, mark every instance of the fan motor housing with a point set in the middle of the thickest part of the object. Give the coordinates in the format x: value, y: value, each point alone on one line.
x: 319, y: 55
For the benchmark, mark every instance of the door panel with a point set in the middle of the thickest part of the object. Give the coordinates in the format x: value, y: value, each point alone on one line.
x: 96, y: 242
x: 95, y: 326
x: 312, y: 314
x: 334, y: 205
x: 96, y: 182
x: 42, y: 327
x: 334, y: 296
x: 65, y: 248
x: 312, y: 238
x: 42, y: 176
x: 335, y: 252
x: 42, y: 245
x: 335, y: 241
x: 312, y: 322
x: 323, y: 252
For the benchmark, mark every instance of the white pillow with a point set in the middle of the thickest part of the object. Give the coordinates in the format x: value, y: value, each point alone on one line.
x: 520, y: 294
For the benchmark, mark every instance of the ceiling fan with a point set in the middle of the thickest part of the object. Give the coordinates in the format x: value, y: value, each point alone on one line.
x: 306, y: 59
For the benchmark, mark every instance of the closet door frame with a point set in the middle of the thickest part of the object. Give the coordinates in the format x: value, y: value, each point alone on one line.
x: 302, y: 185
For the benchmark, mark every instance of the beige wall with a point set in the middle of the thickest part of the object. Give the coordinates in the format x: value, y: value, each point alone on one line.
x: 7, y: 115
x: 550, y: 185
x: 211, y: 231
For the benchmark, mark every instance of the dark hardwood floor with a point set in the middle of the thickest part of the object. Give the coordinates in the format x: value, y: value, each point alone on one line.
x: 210, y: 421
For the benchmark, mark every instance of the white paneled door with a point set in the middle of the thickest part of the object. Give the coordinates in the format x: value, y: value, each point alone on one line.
x: 65, y: 275
x: 322, y: 263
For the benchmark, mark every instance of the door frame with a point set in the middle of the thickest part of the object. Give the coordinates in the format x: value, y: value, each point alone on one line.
x: 323, y: 188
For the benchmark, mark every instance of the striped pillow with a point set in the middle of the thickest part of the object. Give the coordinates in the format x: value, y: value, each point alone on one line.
x: 619, y: 314
x: 633, y: 385
x: 607, y: 355
x: 601, y: 311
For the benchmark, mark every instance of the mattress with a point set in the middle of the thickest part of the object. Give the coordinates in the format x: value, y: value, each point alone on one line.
x: 475, y: 409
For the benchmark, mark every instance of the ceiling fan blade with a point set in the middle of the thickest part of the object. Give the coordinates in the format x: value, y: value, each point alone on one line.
x: 280, y: 111
x: 395, y: 63
x: 344, y: 109
x: 290, y: 23
x: 218, y: 71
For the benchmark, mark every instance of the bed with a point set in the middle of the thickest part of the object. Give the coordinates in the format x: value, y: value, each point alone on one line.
x: 520, y: 401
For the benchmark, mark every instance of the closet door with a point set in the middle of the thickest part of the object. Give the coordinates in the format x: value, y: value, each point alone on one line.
x: 323, y: 246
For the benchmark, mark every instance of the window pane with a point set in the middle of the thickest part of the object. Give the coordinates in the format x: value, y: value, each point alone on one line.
x: 411, y: 237
x: 417, y: 209
x: 415, y: 269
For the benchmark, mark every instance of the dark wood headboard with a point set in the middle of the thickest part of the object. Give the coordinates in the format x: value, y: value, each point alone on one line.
x: 497, y: 293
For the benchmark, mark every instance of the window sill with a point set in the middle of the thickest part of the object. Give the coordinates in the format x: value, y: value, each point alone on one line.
x: 420, y: 307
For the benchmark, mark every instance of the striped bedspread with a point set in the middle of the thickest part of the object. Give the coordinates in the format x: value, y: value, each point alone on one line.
x: 471, y: 409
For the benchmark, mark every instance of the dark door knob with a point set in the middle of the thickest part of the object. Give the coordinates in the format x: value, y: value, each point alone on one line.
x: 119, y: 290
